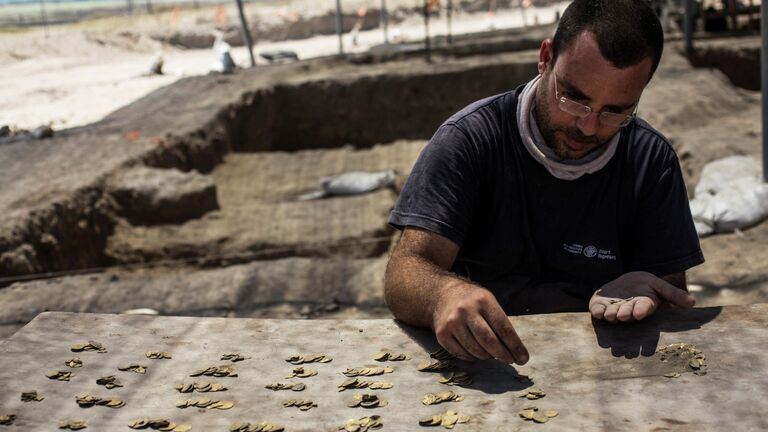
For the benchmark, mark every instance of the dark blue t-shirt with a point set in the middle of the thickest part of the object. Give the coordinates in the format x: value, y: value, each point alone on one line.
x: 476, y: 184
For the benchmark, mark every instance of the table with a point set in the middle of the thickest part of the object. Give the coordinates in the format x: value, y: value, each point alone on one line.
x: 597, y: 375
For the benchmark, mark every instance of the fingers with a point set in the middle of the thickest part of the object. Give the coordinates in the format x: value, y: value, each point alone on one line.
x: 598, y: 310
x: 625, y: 311
x: 506, y: 335
x: 476, y: 327
x: 469, y: 342
x: 629, y: 311
x: 671, y: 293
x: 643, y: 306
x: 453, y: 346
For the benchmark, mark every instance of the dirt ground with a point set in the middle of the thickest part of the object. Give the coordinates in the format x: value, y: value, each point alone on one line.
x: 327, y: 258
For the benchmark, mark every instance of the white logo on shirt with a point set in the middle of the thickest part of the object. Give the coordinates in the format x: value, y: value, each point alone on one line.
x: 589, y: 251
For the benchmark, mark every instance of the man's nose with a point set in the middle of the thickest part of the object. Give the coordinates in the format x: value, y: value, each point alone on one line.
x: 589, y: 125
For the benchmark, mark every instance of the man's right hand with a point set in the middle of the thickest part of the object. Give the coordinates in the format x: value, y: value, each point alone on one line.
x: 470, y: 324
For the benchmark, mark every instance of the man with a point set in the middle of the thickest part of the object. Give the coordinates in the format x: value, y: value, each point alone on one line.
x: 552, y: 197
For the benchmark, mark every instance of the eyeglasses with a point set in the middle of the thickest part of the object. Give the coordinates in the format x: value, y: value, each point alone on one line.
x: 583, y: 111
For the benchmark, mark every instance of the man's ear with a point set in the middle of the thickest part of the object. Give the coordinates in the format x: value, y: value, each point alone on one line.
x: 545, y: 55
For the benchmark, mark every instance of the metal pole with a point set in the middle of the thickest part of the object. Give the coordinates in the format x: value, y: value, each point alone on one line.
x: 764, y: 83
x: 383, y: 20
x: 246, y: 33
x: 149, y: 6
x: 450, y: 17
x: 427, y: 46
x: 734, y: 16
x: 688, y: 22
x: 339, y: 26
x: 43, y: 17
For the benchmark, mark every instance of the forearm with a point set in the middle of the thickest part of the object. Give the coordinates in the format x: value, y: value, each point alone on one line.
x: 414, y: 287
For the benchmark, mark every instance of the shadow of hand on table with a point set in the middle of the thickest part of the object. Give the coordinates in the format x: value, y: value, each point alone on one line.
x: 641, y: 338
x: 488, y: 376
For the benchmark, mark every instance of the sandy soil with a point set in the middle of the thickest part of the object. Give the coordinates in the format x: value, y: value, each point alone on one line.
x: 73, y: 75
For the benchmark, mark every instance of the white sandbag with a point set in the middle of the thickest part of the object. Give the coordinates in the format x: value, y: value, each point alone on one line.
x: 224, y: 62
x: 155, y: 66
x: 352, y: 183
x: 730, y: 195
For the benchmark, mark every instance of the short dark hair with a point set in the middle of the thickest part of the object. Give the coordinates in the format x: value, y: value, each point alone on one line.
x: 627, y: 31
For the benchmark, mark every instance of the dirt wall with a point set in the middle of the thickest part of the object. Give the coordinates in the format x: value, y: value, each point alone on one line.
x: 365, y: 111
x: 738, y: 60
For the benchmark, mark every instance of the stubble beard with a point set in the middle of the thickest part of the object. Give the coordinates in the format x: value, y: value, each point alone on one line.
x: 548, y: 130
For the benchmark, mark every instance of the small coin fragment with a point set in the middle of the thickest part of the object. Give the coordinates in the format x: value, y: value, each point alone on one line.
x: 368, y: 370
x: 90, y: 346
x: 134, y: 367
x: 31, y: 396
x: 7, y: 419
x: 73, y: 424
x: 387, y: 355
x: 217, y: 371
x: 204, y: 403
x: 255, y: 427
x: 446, y: 396
x: 456, y: 378
x: 619, y: 300
x: 448, y: 419
x: 158, y: 355
x: 303, y: 405
x: 60, y: 375
x: 379, y: 385
x: 74, y: 362
x: 441, y: 354
x: 234, y: 357
x: 159, y: 424
x: 309, y: 358
x: 437, y: 365
x: 356, y: 383
x: 367, y: 401
x: 362, y: 424
x: 302, y: 372
x: 109, y: 382
x: 533, y: 394
x: 200, y: 387
x: 87, y: 401
x: 540, y: 417
x: 223, y: 405
x: 536, y: 415
x: 286, y: 386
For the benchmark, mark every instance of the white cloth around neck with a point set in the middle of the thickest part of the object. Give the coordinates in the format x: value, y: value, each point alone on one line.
x: 543, y: 154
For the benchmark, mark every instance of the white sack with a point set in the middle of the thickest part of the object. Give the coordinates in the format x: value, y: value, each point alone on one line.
x: 730, y: 195
x: 352, y: 183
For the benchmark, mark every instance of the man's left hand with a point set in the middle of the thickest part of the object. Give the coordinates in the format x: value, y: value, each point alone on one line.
x: 634, y: 296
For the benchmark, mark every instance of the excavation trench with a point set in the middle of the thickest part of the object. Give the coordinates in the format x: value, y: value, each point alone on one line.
x: 259, y: 153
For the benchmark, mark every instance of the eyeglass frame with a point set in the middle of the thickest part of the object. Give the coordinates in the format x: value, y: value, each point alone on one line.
x: 583, y: 111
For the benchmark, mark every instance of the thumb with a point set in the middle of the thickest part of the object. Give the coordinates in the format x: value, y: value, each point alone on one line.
x: 672, y: 294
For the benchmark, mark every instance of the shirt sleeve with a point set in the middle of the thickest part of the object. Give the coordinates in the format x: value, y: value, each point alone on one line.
x: 665, y: 239
x: 440, y: 191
